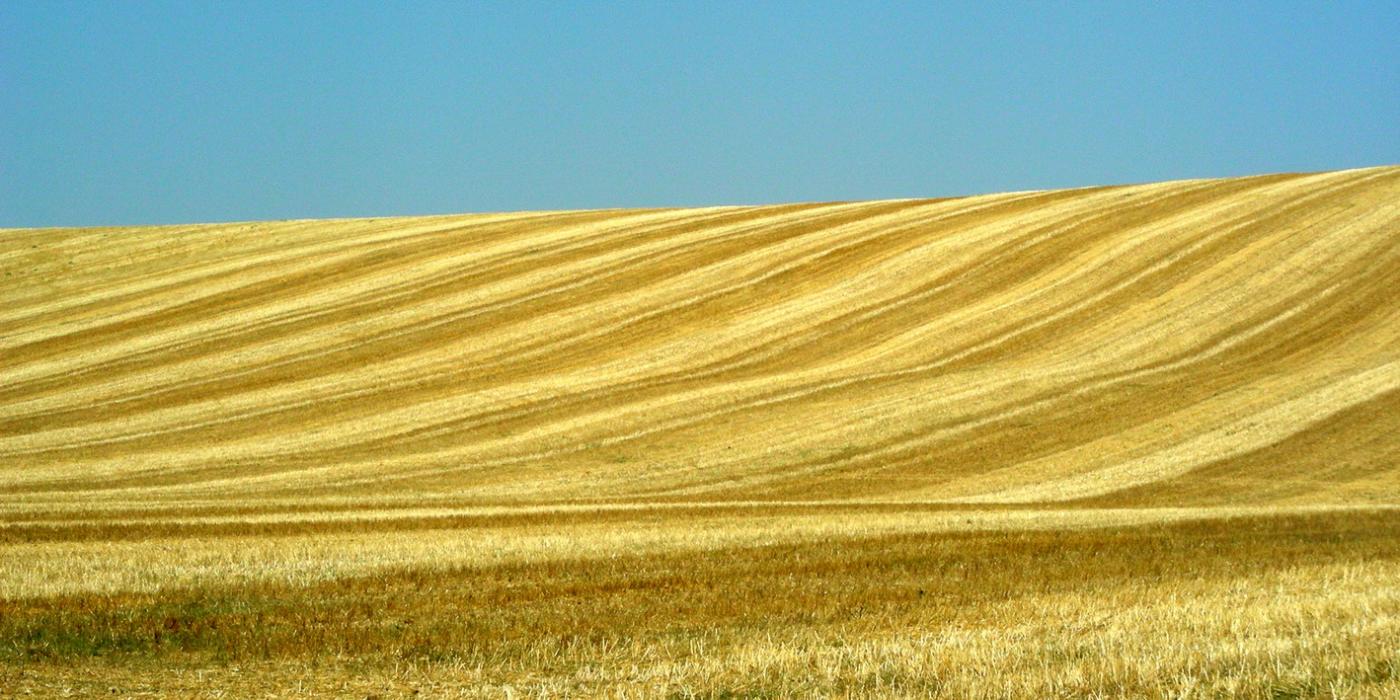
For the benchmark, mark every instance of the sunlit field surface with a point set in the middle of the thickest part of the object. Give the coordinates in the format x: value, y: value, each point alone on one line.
x: 1137, y: 441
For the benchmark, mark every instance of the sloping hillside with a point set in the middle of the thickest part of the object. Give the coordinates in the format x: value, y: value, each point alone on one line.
x: 1211, y: 341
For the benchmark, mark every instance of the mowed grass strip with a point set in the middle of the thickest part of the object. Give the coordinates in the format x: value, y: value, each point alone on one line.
x: 1298, y: 605
x: 54, y: 527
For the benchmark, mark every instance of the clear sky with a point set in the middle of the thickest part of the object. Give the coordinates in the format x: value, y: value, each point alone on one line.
x: 154, y: 112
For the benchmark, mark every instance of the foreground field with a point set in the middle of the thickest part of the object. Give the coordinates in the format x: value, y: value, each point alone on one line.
x: 1125, y: 441
x: 1259, y: 606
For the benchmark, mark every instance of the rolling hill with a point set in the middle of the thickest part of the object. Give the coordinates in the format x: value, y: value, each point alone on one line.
x: 1213, y: 341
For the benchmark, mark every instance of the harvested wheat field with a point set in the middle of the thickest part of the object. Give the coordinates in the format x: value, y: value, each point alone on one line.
x: 1136, y: 441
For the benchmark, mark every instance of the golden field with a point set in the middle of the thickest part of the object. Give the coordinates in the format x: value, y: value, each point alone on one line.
x: 1137, y: 441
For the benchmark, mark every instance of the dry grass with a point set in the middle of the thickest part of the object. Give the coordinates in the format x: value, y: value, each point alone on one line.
x: 1254, y: 607
x: 1127, y: 441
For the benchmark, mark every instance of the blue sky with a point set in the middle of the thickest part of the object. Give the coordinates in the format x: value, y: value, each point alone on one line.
x: 151, y: 112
